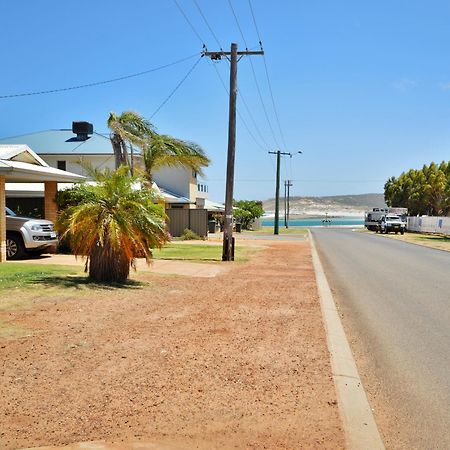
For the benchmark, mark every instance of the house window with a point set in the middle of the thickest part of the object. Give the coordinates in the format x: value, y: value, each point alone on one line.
x: 194, y: 174
x: 61, y: 165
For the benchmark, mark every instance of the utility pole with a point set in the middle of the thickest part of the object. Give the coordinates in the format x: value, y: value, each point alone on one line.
x: 276, y: 226
x: 285, y: 203
x: 287, y: 185
x: 227, y: 253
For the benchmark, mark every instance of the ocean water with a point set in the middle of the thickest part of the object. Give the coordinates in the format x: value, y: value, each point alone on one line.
x: 317, y: 222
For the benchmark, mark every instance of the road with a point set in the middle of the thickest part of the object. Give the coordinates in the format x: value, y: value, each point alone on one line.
x: 395, y: 301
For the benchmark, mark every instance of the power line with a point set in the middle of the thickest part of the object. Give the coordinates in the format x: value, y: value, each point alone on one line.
x: 254, y: 122
x: 240, y: 115
x: 189, y: 23
x: 254, y: 21
x: 273, y: 103
x: 254, y: 76
x: 270, y: 180
x: 176, y: 87
x: 267, y: 76
x: 98, y: 83
x: 207, y: 24
x: 237, y: 23
x: 239, y: 93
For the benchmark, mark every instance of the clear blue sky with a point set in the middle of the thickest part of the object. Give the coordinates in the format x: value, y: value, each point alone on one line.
x: 363, y: 88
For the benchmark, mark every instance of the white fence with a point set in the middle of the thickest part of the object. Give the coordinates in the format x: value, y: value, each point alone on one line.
x: 431, y: 224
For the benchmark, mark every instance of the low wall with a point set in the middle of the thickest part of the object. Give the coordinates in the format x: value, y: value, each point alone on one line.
x: 429, y: 224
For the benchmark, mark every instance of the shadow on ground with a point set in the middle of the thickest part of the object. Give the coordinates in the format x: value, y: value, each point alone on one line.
x: 80, y: 282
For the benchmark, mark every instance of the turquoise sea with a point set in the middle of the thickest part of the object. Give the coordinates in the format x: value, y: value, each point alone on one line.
x: 317, y: 222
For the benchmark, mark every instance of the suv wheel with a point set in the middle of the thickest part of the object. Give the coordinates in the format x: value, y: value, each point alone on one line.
x: 14, y: 247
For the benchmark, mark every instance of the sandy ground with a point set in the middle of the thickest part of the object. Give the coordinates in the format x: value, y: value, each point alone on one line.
x: 157, y: 266
x: 235, y: 361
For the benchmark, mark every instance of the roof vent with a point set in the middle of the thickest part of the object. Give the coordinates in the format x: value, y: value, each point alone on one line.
x: 82, y: 130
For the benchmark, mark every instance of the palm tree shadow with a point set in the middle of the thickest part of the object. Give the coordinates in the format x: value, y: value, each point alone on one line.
x: 84, y: 282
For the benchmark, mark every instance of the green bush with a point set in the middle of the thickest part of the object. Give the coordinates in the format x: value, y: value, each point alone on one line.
x: 246, y: 211
x: 189, y: 235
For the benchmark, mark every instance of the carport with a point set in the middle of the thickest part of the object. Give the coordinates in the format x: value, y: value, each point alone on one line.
x: 19, y: 164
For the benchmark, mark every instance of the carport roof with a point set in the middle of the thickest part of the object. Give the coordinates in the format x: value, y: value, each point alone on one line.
x: 18, y: 163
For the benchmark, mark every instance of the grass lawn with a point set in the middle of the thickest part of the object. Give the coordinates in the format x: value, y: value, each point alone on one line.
x: 282, y: 229
x: 13, y: 275
x: 439, y: 242
x: 200, y: 252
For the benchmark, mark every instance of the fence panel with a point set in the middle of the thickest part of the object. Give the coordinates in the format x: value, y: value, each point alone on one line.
x: 194, y: 219
x: 429, y: 224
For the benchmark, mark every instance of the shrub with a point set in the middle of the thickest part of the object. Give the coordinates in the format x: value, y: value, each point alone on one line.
x: 189, y: 235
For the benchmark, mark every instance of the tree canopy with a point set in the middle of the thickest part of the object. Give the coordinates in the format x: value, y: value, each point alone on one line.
x: 246, y: 211
x: 111, y: 223
x: 422, y: 191
x: 158, y: 150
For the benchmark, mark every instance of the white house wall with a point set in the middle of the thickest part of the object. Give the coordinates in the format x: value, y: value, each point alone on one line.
x: 73, y: 162
x: 178, y: 180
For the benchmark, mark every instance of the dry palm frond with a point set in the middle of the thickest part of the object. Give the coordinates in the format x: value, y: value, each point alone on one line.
x: 117, y: 221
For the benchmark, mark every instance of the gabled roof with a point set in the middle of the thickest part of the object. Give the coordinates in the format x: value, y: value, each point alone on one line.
x: 170, y: 197
x: 64, y: 142
x: 214, y: 206
x: 18, y: 163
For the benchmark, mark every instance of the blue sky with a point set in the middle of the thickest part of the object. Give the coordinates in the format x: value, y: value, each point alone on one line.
x: 363, y: 88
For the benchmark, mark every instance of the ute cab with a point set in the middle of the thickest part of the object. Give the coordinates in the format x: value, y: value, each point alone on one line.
x: 392, y: 223
x: 28, y: 236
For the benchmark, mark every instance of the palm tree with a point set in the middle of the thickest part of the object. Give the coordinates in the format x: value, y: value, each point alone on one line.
x: 130, y: 128
x: 165, y: 151
x: 115, y: 221
x: 158, y: 150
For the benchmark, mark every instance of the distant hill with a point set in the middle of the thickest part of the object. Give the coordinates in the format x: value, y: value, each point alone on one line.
x: 338, y: 205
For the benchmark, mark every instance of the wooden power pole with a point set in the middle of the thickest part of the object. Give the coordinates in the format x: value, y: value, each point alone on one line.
x: 276, y: 223
x: 228, y: 222
x: 287, y: 185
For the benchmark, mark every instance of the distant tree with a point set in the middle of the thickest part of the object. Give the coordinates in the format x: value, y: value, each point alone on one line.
x: 246, y: 211
x: 422, y: 191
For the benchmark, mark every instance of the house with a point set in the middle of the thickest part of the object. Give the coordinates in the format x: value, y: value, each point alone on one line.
x: 72, y: 149
x: 19, y: 164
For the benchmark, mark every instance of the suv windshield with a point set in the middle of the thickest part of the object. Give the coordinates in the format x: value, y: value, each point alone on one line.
x: 9, y: 212
x: 393, y: 219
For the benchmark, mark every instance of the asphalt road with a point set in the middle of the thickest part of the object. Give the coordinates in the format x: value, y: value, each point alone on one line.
x: 395, y: 301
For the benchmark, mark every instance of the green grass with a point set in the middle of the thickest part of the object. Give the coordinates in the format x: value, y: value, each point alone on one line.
x: 199, y: 252
x: 431, y: 238
x: 15, y: 275
x: 282, y: 230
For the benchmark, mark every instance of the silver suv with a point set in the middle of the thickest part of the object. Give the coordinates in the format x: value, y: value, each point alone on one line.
x: 25, y: 235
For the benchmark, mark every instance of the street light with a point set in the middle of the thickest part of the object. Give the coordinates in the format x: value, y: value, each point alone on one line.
x: 276, y: 228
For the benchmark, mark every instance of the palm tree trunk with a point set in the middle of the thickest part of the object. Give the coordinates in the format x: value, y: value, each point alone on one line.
x: 107, y: 264
x: 125, y: 159
x: 116, y: 141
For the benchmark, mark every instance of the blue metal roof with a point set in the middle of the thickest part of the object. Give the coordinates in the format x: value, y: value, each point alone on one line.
x: 52, y: 142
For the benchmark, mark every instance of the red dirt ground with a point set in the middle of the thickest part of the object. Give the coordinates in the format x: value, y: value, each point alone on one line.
x: 236, y: 361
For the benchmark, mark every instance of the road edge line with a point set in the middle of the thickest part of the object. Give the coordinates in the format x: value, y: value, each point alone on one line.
x: 361, y: 431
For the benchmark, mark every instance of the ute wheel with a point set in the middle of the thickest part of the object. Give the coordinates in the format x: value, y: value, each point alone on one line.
x: 14, y: 247
x: 402, y: 232
x: 396, y: 232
